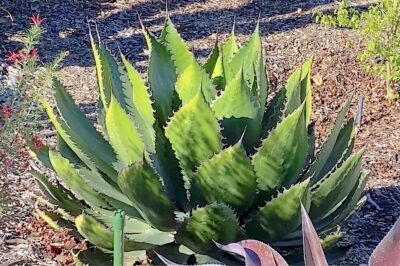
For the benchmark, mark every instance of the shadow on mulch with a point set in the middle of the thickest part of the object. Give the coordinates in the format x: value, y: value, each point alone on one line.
x: 67, y: 29
x: 368, y: 226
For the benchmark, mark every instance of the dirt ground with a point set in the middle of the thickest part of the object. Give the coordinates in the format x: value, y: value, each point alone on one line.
x: 289, y: 37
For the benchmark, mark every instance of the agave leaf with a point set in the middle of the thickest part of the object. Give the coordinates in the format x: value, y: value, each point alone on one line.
x: 80, y: 135
x: 281, y: 157
x: 335, y: 218
x: 262, y: 250
x: 323, y: 157
x: 274, y: 112
x: 172, y: 251
x: 262, y: 83
x: 212, y: 59
x: 104, y: 91
x: 182, y: 58
x: 132, y: 225
x: 335, y: 187
x: 236, y: 100
x: 214, y: 222
x: 313, y: 252
x: 152, y: 236
x: 346, y: 208
x: 67, y: 153
x: 194, y: 134
x: 236, y: 248
x: 230, y: 47
x: 246, y: 58
x: 123, y: 135
x: 162, y: 79
x: 42, y: 155
x: 281, y: 215
x: 101, y: 118
x: 110, y: 75
x: 112, y: 194
x: 102, y: 237
x: 93, y: 257
x: 140, y: 106
x: 236, y: 183
x: 141, y: 185
x: 188, y: 83
x: 58, y: 194
x: 167, y: 166
x: 298, y: 90
x: 75, y: 181
x: 228, y: 50
x: 387, y: 252
x: 342, y: 149
x: 255, y: 253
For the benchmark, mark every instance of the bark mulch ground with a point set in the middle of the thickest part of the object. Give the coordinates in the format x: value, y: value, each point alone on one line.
x: 289, y: 37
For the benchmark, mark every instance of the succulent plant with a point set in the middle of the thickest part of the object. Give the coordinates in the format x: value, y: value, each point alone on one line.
x: 257, y: 253
x: 196, y: 154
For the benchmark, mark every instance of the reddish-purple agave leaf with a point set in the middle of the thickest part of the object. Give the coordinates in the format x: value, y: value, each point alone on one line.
x: 313, y: 252
x: 388, y: 251
x: 267, y: 255
x: 237, y: 248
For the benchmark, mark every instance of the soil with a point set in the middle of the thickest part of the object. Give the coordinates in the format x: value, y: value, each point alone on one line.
x: 289, y: 37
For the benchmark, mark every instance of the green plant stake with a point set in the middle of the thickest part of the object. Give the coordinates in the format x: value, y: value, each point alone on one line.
x: 118, y: 225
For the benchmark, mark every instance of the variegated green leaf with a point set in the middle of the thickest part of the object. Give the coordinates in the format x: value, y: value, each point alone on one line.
x: 212, y: 59
x: 162, y: 79
x: 214, y: 222
x: 281, y: 215
x: 75, y: 181
x: 167, y: 166
x: 58, y: 194
x: 109, y: 74
x: 67, y: 153
x: 123, y: 135
x: 341, y: 151
x: 281, y: 157
x: 228, y: 50
x: 131, y: 226
x: 111, y: 194
x: 335, y: 187
x: 104, y: 91
x: 194, y: 134
x: 188, y: 83
x: 274, y: 112
x: 78, y: 132
x: 102, y: 237
x: 182, y: 58
x: 298, y: 90
x: 236, y: 100
x: 140, y: 106
x: 346, y: 208
x: 262, y: 83
x: 228, y: 177
x: 246, y: 58
x: 317, y: 170
x: 142, y: 186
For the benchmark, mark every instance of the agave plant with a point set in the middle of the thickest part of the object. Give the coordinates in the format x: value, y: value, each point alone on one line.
x: 196, y: 154
x: 257, y: 253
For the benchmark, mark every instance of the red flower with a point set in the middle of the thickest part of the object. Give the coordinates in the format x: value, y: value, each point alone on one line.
x: 6, y: 111
x: 37, y: 142
x: 12, y: 56
x: 33, y: 53
x: 36, y: 20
